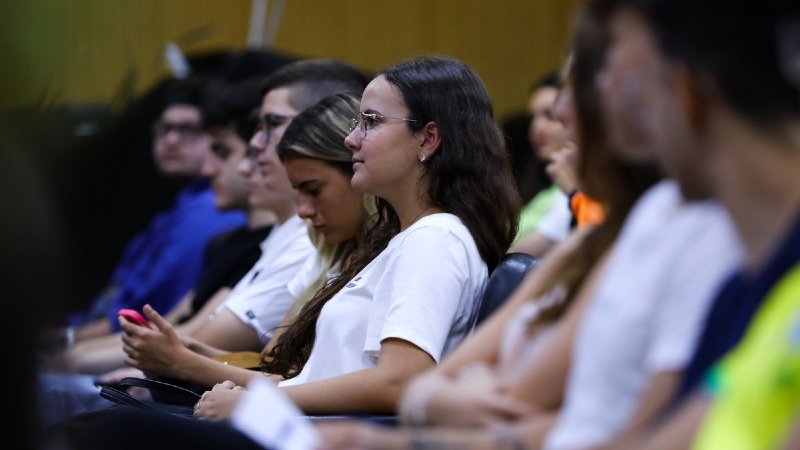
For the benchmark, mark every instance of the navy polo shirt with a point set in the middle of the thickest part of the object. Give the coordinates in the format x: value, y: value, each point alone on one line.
x: 733, y: 309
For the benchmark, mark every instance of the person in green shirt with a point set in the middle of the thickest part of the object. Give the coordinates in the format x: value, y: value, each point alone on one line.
x: 546, y: 135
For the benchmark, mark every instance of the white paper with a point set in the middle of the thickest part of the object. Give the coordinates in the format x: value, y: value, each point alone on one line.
x: 267, y: 416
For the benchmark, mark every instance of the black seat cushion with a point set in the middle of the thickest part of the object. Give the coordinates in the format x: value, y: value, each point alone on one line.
x: 503, y: 280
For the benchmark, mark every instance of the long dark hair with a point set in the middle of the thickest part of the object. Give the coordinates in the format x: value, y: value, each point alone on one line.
x: 469, y: 176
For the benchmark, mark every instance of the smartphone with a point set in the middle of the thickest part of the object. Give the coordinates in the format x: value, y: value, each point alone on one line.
x: 134, y: 317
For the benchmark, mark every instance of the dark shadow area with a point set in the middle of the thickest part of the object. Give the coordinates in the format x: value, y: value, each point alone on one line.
x: 76, y: 183
x: 529, y: 171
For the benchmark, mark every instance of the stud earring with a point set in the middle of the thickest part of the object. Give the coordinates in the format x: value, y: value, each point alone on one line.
x: 422, y: 158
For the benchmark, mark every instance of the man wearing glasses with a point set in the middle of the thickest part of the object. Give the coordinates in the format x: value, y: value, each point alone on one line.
x: 259, y: 303
x: 162, y: 263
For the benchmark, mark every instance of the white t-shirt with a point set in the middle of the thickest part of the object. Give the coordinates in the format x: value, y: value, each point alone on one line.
x: 310, y: 272
x: 307, y: 275
x: 425, y: 288
x: 664, y: 271
x: 262, y: 298
x: 555, y: 224
x: 518, y: 350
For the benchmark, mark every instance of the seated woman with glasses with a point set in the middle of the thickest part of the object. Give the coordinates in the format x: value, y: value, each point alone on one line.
x: 447, y: 213
x: 425, y: 143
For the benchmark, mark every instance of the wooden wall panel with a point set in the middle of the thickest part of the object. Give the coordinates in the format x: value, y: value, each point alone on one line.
x: 79, y: 51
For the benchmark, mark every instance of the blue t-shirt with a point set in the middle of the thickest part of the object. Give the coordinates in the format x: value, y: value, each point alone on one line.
x: 162, y: 263
x: 733, y: 309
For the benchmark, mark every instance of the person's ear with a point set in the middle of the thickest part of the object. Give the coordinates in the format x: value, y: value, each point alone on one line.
x: 430, y: 140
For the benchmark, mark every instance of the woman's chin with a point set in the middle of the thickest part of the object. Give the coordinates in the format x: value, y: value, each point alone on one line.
x: 360, y: 183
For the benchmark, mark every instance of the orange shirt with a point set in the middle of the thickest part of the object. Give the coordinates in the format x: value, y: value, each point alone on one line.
x: 586, y: 211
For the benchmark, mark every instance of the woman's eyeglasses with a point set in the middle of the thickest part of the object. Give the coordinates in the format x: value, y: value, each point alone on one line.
x: 366, y: 120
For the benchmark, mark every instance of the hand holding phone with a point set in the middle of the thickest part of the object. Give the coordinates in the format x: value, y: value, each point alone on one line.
x: 133, y: 316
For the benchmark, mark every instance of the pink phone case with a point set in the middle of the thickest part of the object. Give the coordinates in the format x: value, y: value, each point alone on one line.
x: 134, y: 317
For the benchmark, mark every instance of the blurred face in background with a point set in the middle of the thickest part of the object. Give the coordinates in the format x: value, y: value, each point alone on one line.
x: 275, y: 117
x: 646, y: 108
x: 181, y: 146
x: 269, y: 185
x: 625, y: 83
x: 258, y: 196
x: 229, y: 185
x: 563, y: 165
x: 546, y: 133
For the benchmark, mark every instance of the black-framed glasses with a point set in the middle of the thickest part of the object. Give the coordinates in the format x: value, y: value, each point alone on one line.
x: 269, y: 122
x: 185, y: 131
x: 365, y: 120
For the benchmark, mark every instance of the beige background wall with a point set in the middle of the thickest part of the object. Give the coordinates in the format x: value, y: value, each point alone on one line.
x: 86, y: 51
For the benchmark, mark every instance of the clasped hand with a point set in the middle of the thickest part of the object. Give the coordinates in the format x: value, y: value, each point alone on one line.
x: 218, y: 403
x: 474, y: 398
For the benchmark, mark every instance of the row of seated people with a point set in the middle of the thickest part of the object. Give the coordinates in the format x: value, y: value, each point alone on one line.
x: 605, y: 343
x: 556, y: 206
x: 340, y: 217
x: 244, y: 313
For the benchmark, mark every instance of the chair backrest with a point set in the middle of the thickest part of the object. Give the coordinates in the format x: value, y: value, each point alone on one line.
x: 502, y: 282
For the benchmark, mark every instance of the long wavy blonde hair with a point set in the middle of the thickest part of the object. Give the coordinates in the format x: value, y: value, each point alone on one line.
x: 318, y: 133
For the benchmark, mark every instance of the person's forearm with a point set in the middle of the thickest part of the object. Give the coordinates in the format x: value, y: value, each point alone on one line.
x: 527, y: 435
x: 534, y: 244
x: 196, y: 368
x: 201, y: 317
x: 82, y: 356
x: 204, y: 349
x: 100, y: 342
x: 93, y: 330
x: 228, y: 332
x: 99, y: 360
x: 679, y: 430
x: 652, y: 403
x: 365, y: 391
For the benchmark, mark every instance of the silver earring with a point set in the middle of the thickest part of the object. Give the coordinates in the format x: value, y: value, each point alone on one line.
x: 422, y: 158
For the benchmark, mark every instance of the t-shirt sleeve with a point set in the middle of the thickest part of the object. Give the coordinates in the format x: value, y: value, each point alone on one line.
x: 696, y: 278
x: 555, y: 224
x: 421, y: 291
x: 262, y: 298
